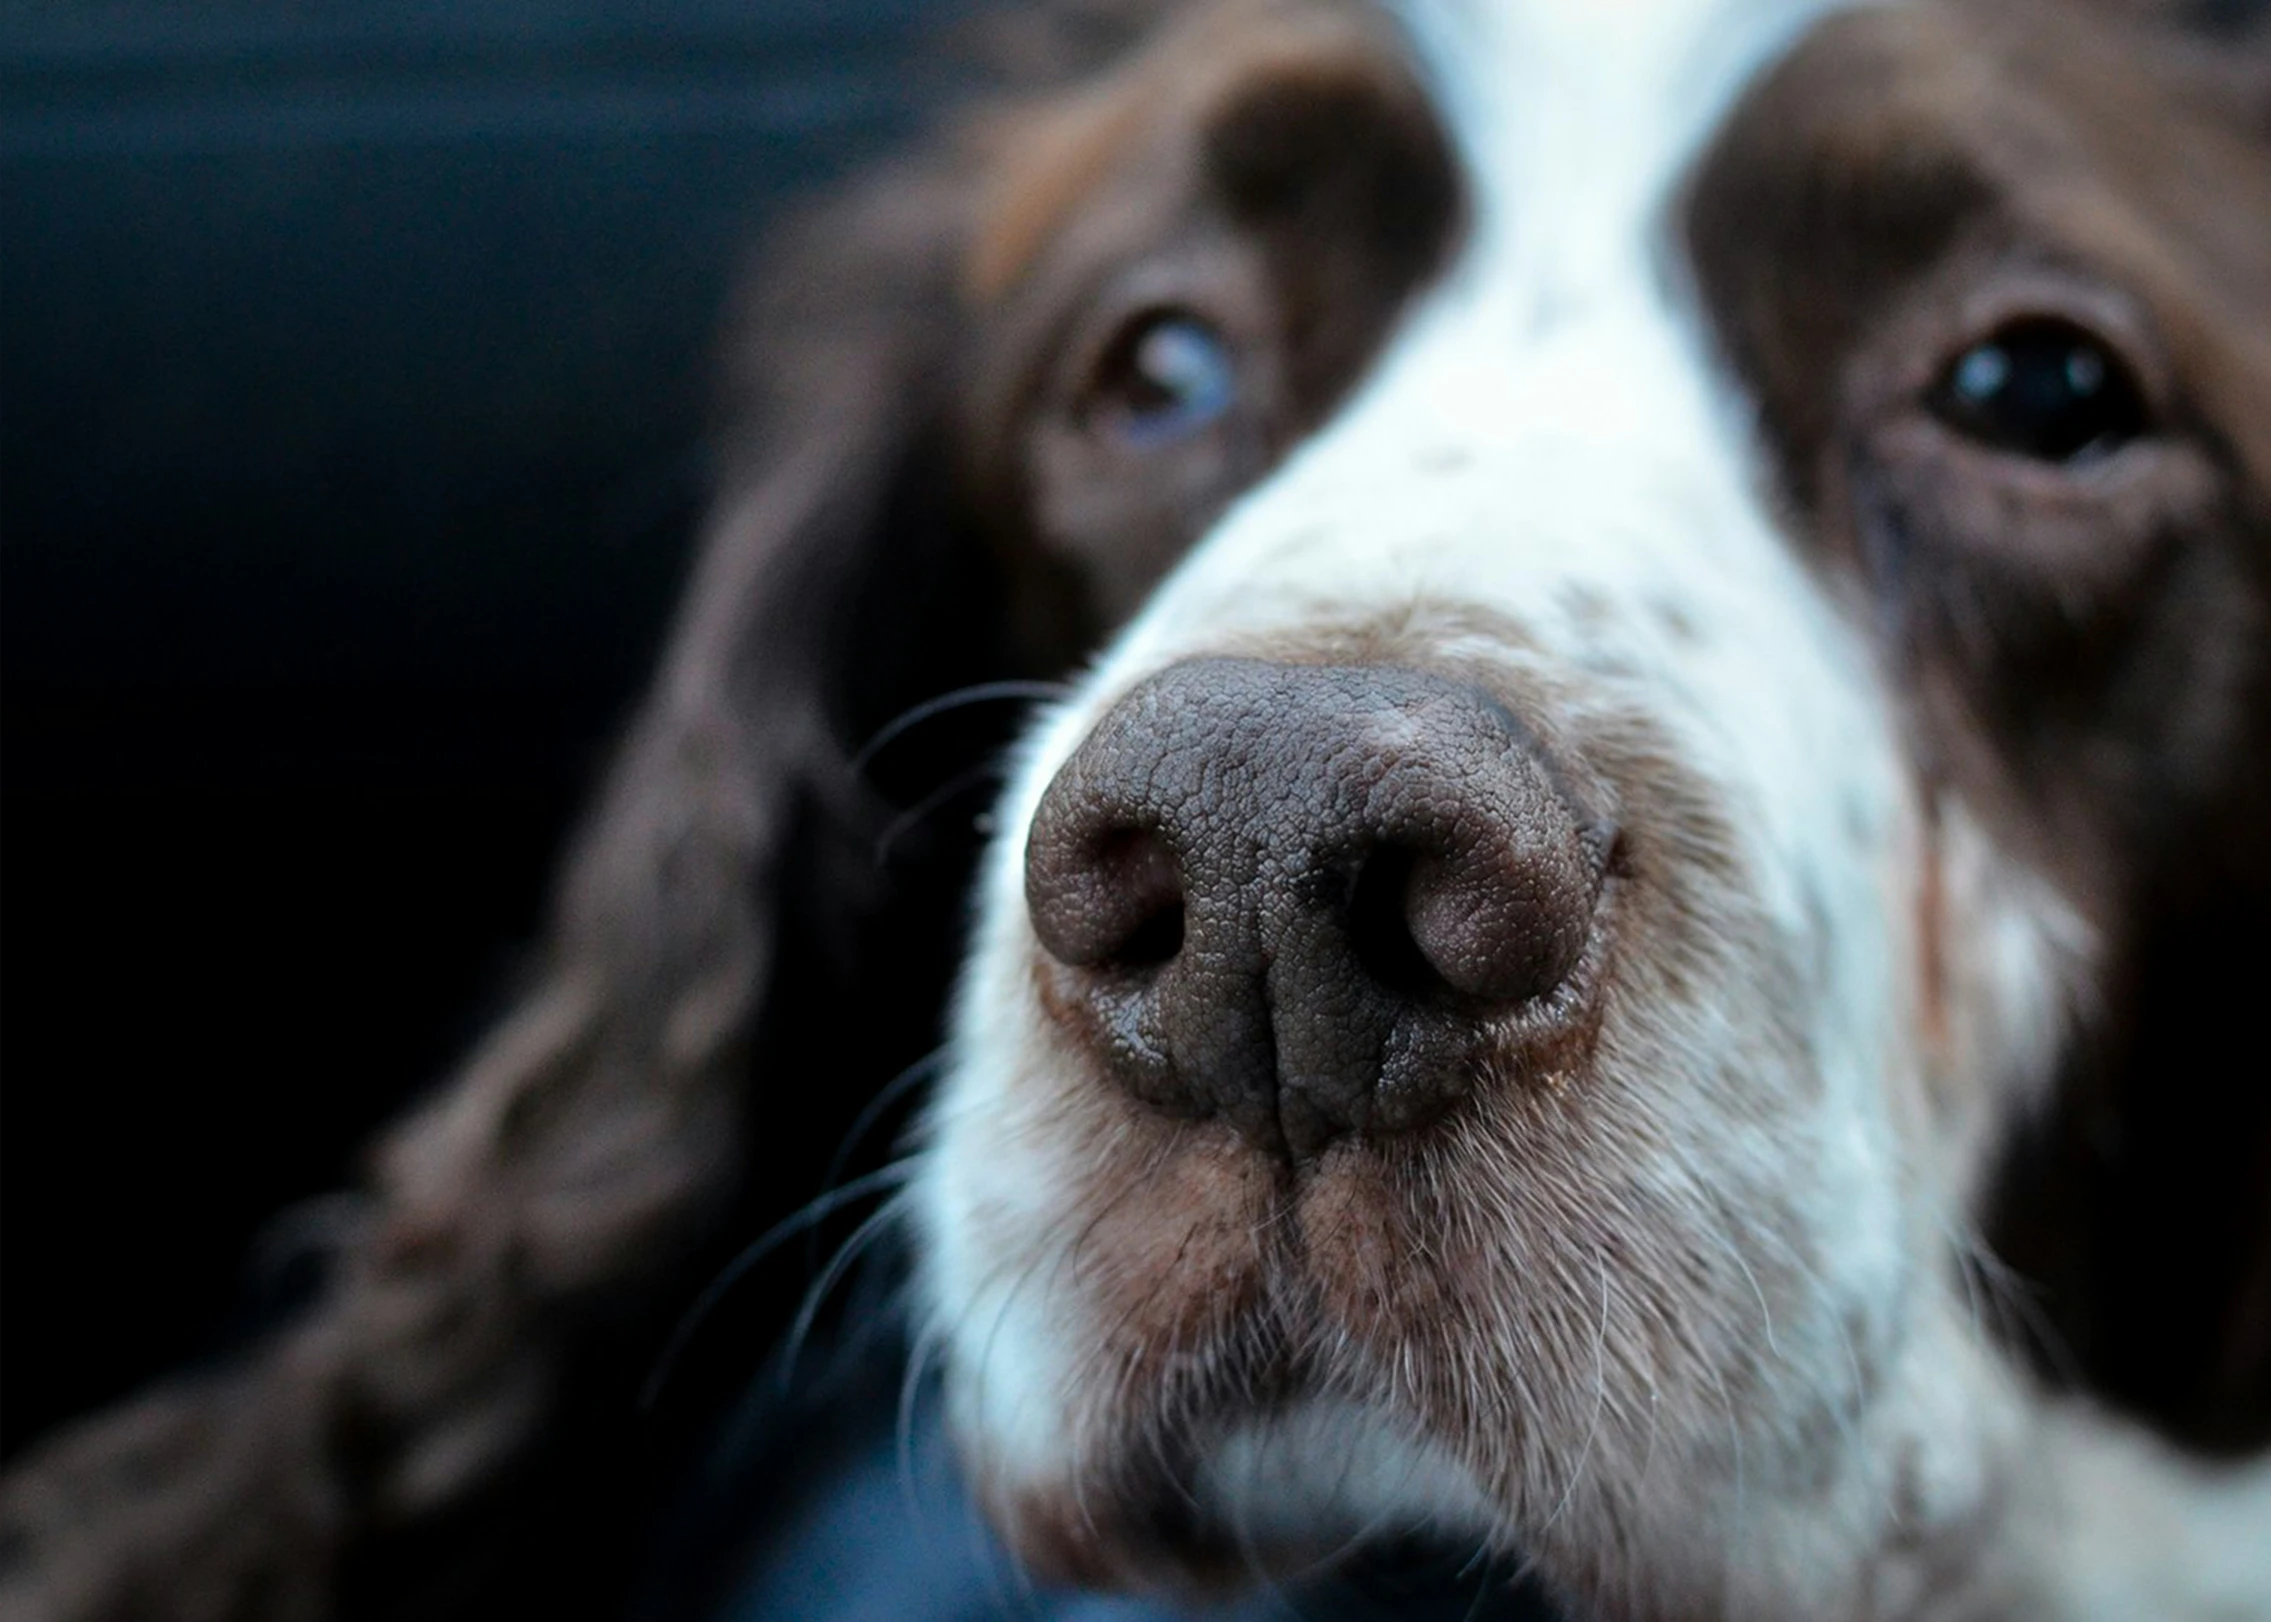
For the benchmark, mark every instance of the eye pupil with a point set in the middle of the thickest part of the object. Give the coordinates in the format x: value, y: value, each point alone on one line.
x: 2042, y: 388
x: 1167, y: 377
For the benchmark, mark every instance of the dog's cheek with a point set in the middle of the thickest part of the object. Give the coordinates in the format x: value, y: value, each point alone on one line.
x: 2008, y: 969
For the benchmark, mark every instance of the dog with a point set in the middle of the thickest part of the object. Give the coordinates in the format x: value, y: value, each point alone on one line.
x: 1633, y: 942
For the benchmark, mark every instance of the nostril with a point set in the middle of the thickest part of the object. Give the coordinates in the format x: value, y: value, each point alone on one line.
x: 1155, y: 941
x: 1477, y: 926
x: 1147, y: 889
x: 1502, y: 923
x: 1106, y: 898
x: 1380, y: 931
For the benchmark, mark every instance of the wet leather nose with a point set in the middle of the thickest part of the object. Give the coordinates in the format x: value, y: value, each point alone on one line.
x: 1299, y: 897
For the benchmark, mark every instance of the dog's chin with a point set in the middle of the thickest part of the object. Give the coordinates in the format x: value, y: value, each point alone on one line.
x: 1233, y: 1421
x: 1241, y: 1500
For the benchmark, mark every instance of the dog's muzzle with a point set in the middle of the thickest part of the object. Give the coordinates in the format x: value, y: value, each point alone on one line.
x: 1309, y: 899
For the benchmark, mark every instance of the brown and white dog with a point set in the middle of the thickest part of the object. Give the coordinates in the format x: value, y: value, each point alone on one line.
x: 1674, y: 776
x: 1498, y: 996
x: 1500, y: 993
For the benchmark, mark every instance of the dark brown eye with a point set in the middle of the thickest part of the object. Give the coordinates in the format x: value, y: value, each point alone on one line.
x: 1166, y: 377
x: 2042, y: 388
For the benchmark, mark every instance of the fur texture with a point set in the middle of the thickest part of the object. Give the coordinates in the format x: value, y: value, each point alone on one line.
x: 1583, y: 352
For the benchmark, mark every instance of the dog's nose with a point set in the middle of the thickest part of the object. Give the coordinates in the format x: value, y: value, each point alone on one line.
x: 1313, y: 900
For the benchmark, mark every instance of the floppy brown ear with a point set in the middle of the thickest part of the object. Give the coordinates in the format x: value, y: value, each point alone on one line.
x: 522, y: 1231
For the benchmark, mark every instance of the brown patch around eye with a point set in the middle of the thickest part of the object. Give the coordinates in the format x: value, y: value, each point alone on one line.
x: 1175, y: 271
x: 1265, y: 103
x: 1051, y: 158
x: 1332, y: 120
x: 1839, y: 181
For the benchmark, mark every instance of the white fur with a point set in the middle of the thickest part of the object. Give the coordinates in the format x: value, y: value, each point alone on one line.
x: 1328, y: 1474
x: 1549, y: 439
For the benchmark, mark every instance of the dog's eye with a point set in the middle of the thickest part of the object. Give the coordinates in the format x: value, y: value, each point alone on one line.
x: 1167, y: 376
x: 2044, y: 388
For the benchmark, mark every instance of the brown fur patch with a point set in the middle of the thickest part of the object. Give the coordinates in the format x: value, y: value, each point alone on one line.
x: 2081, y: 649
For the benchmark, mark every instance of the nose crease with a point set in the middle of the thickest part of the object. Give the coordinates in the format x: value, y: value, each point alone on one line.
x: 1301, y: 898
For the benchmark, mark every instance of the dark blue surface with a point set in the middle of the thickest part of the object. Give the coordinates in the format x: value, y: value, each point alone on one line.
x: 830, y: 1502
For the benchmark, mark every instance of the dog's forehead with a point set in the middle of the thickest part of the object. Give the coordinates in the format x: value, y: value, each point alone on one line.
x: 1577, y: 112
x: 1577, y: 122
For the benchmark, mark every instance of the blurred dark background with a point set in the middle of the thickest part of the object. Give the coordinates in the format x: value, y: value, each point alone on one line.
x: 354, y: 365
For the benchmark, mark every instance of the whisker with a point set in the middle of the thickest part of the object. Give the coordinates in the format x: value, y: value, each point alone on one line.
x: 2015, y: 1300
x: 929, y: 1347
x: 1472, y: 1568
x: 1600, y: 1402
x: 960, y: 783
x: 985, y: 692
x: 890, y: 1094
x: 731, y: 1275
x: 808, y: 1312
